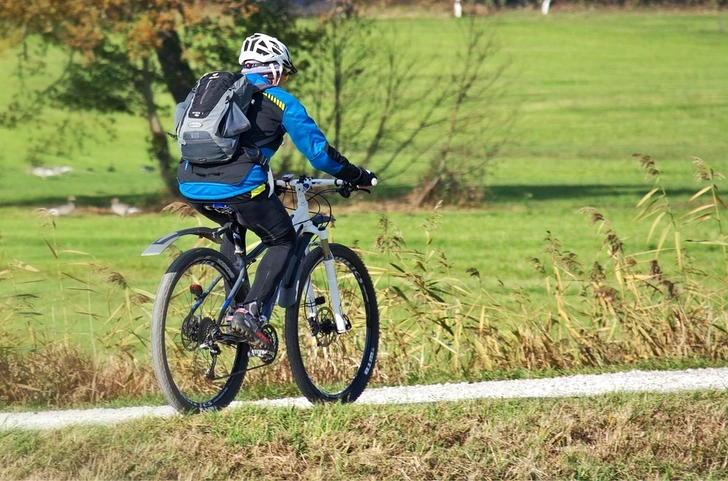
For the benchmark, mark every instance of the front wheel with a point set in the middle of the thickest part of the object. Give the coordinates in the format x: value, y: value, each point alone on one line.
x: 328, y: 365
x: 198, y: 367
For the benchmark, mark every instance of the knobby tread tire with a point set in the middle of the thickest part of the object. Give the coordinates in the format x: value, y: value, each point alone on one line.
x: 165, y: 290
x: 352, y: 391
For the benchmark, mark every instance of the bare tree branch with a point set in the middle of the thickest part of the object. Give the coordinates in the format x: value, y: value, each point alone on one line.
x: 471, y: 87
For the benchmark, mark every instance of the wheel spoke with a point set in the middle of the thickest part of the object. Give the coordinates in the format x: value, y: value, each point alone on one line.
x: 329, y: 365
x: 194, y: 369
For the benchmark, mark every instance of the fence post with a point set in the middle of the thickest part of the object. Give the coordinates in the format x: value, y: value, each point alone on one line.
x: 545, y: 6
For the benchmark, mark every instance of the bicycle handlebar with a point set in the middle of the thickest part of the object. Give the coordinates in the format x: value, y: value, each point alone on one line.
x: 287, y: 181
x: 344, y: 188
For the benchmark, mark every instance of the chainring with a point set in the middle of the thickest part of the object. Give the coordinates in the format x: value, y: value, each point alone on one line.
x: 267, y: 355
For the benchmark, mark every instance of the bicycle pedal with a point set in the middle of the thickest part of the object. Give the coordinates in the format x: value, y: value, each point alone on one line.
x: 263, y: 354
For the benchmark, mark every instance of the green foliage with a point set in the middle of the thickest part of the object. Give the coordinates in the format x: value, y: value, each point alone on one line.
x: 213, y: 42
x: 85, y: 84
x: 588, y: 104
x: 118, y: 57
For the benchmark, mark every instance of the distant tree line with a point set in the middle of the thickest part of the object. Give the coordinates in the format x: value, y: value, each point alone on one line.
x: 620, y: 3
x: 537, y: 3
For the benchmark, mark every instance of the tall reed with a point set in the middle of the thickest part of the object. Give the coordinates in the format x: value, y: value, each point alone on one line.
x: 51, y: 365
x: 667, y: 303
x: 663, y: 303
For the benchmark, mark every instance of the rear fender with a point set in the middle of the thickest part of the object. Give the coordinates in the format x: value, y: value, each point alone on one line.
x: 159, y: 245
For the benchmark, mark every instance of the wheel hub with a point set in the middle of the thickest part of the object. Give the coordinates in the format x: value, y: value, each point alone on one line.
x: 323, y: 327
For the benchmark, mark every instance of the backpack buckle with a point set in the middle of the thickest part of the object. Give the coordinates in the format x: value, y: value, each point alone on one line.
x: 253, y: 153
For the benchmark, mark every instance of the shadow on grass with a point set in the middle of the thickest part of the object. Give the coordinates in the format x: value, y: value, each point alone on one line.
x: 501, y: 194
x: 95, y: 201
x: 519, y: 193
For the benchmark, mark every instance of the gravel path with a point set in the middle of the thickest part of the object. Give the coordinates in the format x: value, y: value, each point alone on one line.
x: 566, y: 386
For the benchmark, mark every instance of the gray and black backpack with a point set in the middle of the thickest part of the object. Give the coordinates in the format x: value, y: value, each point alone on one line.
x: 209, y: 122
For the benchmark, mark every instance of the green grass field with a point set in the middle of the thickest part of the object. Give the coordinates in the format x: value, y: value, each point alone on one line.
x: 591, y: 89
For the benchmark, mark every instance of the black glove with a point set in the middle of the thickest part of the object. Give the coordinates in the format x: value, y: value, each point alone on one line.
x: 356, y: 175
x: 366, y: 178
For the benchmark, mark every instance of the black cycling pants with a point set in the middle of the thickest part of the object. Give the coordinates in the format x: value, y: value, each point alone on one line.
x: 268, y: 219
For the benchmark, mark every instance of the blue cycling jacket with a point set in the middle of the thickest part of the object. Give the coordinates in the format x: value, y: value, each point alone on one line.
x: 273, y: 113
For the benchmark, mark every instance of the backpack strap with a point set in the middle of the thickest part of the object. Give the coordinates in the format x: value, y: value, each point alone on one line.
x: 261, y: 143
x: 259, y: 88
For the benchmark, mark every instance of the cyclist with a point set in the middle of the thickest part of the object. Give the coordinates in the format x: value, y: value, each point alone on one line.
x: 245, y: 185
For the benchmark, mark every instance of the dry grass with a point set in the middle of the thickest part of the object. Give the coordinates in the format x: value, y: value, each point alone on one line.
x: 60, y: 376
x: 607, y: 437
x: 623, y: 309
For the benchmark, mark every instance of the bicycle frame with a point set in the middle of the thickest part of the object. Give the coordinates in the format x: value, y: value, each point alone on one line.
x: 314, y: 226
x: 307, y: 226
x: 200, y: 361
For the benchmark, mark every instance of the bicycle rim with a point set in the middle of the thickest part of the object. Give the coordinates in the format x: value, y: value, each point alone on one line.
x: 327, y: 365
x: 195, y: 370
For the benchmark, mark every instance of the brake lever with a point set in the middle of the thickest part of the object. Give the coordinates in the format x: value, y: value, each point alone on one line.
x: 345, y: 190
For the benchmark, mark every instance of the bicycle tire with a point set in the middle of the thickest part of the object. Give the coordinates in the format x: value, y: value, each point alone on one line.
x: 181, y: 358
x: 328, y: 366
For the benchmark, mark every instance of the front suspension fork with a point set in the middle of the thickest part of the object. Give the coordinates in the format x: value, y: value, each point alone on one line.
x: 333, y: 287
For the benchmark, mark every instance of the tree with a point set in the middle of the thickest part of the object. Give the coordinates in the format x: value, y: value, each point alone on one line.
x: 120, y: 53
x: 385, y: 106
x: 360, y: 91
x: 474, y: 131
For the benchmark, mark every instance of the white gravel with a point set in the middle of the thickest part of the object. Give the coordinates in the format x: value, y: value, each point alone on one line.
x: 566, y: 386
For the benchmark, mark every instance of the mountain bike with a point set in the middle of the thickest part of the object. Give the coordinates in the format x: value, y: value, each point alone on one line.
x: 331, y: 324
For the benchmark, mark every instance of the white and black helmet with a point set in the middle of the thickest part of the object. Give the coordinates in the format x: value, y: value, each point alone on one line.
x: 266, y: 49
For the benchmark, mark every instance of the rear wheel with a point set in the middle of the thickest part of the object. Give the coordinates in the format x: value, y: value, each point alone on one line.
x: 328, y: 365
x: 198, y: 366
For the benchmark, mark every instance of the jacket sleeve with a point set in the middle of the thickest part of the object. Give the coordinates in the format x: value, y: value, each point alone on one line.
x: 311, y: 142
